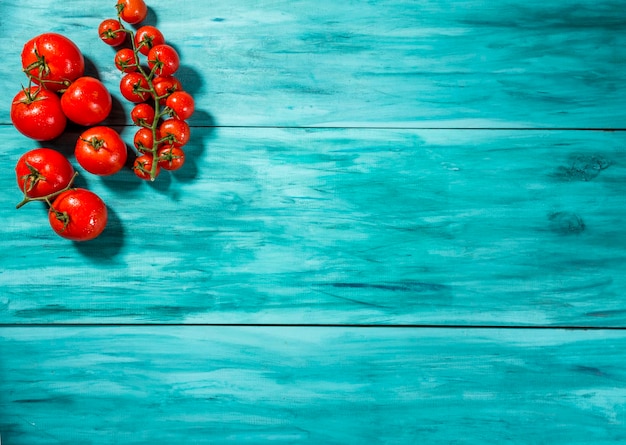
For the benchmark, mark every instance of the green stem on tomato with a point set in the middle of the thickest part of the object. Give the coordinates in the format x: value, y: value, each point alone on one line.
x: 49, y: 197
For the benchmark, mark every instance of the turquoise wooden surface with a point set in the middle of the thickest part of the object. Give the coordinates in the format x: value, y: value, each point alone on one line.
x: 390, y: 163
x: 322, y: 385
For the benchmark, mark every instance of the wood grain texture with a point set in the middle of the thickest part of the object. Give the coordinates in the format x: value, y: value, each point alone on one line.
x: 339, y: 226
x: 540, y: 63
x: 323, y: 385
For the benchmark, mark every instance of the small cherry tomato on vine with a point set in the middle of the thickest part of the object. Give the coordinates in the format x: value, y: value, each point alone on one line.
x: 86, y: 101
x: 37, y: 114
x: 78, y: 215
x: 164, y: 86
x: 171, y: 157
x: 176, y: 131
x: 147, y: 37
x: 181, y: 104
x: 43, y: 171
x: 52, y: 60
x: 101, y: 151
x: 143, y: 167
x: 132, y: 11
x: 111, y: 32
x: 126, y: 61
x: 142, y: 115
x: 163, y: 60
x: 134, y: 87
x: 144, y: 139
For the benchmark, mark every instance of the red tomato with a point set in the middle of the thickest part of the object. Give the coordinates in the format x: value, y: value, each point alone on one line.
x: 171, y: 157
x: 52, y: 60
x: 111, y: 32
x: 125, y: 60
x: 142, y: 115
x: 86, y: 101
x: 38, y: 114
x: 164, y: 86
x: 163, y: 60
x: 176, y: 131
x: 134, y: 87
x: 148, y: 37
x: 132, y: 11
x: 43, y: 171
x: 144, y: 139
x: 181, y: 103
x: 101, y: 151
x: 143, y: 167
x: 78, y: 215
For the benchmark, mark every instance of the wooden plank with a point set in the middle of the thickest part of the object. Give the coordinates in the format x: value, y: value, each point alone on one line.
x: 325, y: 385
x: 538, y: 63
x: 339, y: 226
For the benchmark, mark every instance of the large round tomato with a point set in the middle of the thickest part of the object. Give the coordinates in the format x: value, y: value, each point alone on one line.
x: 86, y: 101
x: 78, y: 214
x: 132, y: 11
x: 43, y: 171
x: 52, y: 60
x: 101, y: 151
x: 37, y: 114
x: 164, y: 60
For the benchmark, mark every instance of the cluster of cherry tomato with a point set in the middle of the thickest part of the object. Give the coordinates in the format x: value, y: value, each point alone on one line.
x: 58, y: 91
x: 162, y: 107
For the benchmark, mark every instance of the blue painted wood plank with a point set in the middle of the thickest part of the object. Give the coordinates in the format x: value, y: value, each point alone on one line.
x: 338, y: 226
x: 537, y: 63
x: 327, y: 385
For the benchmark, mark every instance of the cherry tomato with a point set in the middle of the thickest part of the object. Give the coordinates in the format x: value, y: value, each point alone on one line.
x: 86, y: 101
x: 171, y: 157
x: 143, y: 166
x: 126, y: 61
x: 53, y: 61
x: 132, y: 11
x: 43, y: 171
x: 78, y: 215
x: 144, y: 139
x: 134, y: 87
x: 101, y: 151
x: 176, y: 131
x: 142, y: 115
x: 148, y: 37
x: 181, y: 103
x: 37, y: 114
x: 164, y: 86
x: 163, y: 60
x: 111, y: 32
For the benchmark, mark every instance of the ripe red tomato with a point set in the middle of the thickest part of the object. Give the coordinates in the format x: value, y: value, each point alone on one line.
x: 148, y: 37
x: 171, y: 157
x: 143, y: 166
x: 181, y: 103
x: 43, y: 171
x: 134, y: 87
x: 52, y: 60
x: 144, y: 139
x: 111, y: 32
x: 132, y: 11
x: 163, y: 60
x: 177, y: 131
x: 78, y: 215
x: 101, y: 151
x: 37, y: 114
x: 164, y: 86
x: 86, y: 101
x: 142, y: 115
x: 125, y: 60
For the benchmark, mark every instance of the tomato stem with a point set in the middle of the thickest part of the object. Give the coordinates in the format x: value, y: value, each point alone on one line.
x: 45, y: 198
